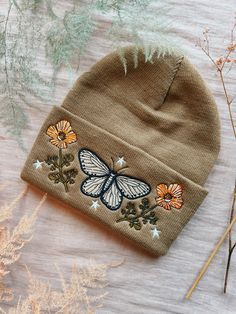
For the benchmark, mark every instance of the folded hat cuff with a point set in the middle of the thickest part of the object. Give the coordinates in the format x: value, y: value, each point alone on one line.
x: 111, y: 180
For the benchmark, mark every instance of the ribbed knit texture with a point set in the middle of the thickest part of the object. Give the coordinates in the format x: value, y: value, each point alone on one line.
x: 160, y: 117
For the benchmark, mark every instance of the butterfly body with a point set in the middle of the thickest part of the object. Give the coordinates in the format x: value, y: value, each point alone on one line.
x: 110, y: 186
x: 109, y: 181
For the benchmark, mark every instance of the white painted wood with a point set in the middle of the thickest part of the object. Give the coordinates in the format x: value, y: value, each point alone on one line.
x: 63, y: 235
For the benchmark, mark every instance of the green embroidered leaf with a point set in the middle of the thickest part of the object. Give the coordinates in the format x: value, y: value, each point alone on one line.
x: 67, y: 159
x: 70, y: 175
x: 61, y: 176
x: 137, y: 217
x: 55, y: 176
x: 136, y: 224
x: 53, y: 161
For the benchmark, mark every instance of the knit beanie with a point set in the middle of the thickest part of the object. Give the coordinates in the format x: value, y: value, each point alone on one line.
x: 131, y: 150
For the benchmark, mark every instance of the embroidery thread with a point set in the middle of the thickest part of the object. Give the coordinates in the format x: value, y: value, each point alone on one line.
x: 95, y: 205
x: 137, y: 217
x: 120, y: 161
x: 155, y: 233
x: 38, y: 164
x: 61, y: 136
x: 169, y: 196
x: 107, y: 184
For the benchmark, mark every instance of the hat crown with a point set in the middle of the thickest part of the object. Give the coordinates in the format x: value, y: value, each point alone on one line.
x: 162, y: 107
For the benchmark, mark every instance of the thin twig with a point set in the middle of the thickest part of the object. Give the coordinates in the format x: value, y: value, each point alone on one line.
x: 231, y: 247
x: 220, y: 69
x: 228, y: 103
x: 206, y: 265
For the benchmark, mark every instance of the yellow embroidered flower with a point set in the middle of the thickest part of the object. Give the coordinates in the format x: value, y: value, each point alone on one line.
x: 169, y: 196
x: 61, y: 134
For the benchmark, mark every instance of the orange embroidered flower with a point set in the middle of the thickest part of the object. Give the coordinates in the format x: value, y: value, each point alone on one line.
x: 169, y: 196
x: 61, y: 134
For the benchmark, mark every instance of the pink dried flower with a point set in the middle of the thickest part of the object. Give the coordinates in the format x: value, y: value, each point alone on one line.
x: 231, y: 47
x: 220, y: 60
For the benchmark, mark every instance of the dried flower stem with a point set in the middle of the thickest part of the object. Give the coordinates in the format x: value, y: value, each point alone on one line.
x: 219, y: 64
x: 231, y: 246
x: 206, y: 265
x: 11, y: 242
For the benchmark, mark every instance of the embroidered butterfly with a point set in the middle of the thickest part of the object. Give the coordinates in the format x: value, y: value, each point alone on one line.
x: 109, y: 185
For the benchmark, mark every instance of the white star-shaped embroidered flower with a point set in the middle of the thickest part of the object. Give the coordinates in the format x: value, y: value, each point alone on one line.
x: 95, y: 205
x: 121, y: 161
x: 38, y: 164
x: 155, y: 233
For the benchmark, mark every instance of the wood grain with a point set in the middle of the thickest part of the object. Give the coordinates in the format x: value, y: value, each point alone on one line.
x: 63, y: 235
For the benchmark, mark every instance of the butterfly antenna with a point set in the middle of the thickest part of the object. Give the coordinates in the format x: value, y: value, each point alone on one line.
x: 112, y: 163
x: 121, y: 170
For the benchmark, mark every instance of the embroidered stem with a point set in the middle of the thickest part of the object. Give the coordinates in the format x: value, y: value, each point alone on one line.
x: 60, y: 165
x: 57, y: 164
x: 137, y: 217
x: 142, y: 215
x: 61, y: 135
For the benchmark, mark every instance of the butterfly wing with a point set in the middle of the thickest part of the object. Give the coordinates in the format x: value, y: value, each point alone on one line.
x: 132, y: 188
x: 93, y: 186
x: 112, y: 197
x: 98, y: 183
x: 91, y: 164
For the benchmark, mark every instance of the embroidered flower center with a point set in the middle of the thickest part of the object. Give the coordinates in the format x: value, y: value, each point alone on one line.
x: 61, y: 136
x: 168, y: 197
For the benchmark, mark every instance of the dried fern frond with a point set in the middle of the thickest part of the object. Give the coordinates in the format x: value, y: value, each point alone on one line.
x: 20, y: 41
x: 6, y: 210
x: 67, y: 38
x: 81, y: 294
x: 116, y: 5
x: 31, y: 30
x: 11, y: 242
x: 144, y: 27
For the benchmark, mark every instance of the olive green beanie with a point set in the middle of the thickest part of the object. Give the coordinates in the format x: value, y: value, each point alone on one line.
x: 131, y: 150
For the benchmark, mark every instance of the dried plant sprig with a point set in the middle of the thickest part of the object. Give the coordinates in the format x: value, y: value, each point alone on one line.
x: 12, y: 241
x: 209, y: 260
x: 82, y: 293
x: 6, y: 210
x: 20, y: 40
x: 31, y: 28
x: 220, y: 66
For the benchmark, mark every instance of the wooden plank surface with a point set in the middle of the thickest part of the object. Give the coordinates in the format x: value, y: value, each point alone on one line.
x: 63, y: 235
